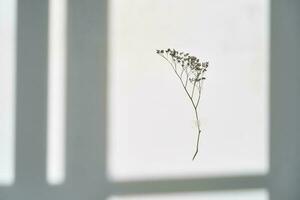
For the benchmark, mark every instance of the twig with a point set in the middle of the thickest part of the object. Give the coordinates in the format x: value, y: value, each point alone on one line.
x: 194, y: 72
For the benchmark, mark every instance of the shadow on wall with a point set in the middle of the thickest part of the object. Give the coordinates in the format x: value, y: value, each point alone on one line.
x: 285, y: 95
x: 86, y: 109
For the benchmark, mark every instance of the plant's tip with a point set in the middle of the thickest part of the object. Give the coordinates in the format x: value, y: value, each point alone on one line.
x: 159, y: 51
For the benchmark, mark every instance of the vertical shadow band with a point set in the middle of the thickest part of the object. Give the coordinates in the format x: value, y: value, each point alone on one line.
x: 86, y: 98
x: 285, y: 98
x: 31, y: 91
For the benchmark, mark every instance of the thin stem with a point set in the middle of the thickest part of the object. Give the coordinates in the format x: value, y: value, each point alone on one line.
x: 181, y: 73
x: 195, y: 81
x: 199, y: 131
x: 168, y: 61
x: 174, y: 62
x: 193, y: 88
x: 187, y: 76
x: 198, y: 137
x: 184, y: 85
x: 199, y: 95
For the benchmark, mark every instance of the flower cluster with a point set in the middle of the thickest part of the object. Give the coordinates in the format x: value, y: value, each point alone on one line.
x: 187, y: 62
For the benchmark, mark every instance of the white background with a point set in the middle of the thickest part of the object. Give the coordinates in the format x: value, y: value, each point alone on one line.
x: 152, y: 130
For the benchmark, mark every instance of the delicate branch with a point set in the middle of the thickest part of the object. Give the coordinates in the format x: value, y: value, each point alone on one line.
x: 194, y: 72
x: 182, y: 72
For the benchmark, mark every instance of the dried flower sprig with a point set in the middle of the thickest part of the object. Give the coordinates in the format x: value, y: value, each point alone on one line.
x: 190, y: 72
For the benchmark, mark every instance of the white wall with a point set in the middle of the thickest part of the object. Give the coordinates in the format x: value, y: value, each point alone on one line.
x: 152, y: 132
